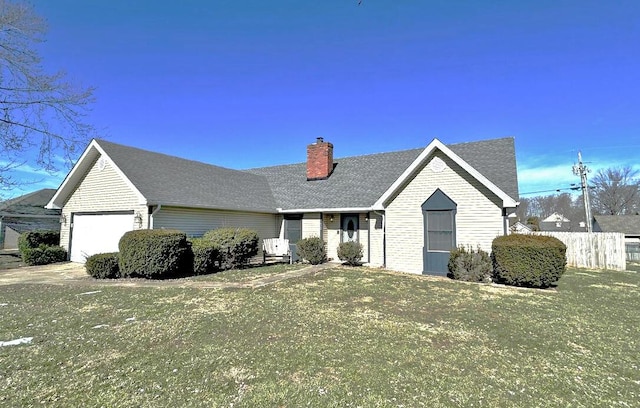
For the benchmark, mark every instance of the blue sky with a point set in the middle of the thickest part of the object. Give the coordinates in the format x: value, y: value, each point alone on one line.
x: 250, y: 83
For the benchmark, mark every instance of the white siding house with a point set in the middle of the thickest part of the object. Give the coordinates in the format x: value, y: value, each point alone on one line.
x: 387, y: 202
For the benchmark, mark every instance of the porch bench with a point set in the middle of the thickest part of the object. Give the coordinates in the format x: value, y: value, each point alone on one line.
x: 275, y: 248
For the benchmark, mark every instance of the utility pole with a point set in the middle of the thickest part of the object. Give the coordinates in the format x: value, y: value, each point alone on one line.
x: 581, y: 170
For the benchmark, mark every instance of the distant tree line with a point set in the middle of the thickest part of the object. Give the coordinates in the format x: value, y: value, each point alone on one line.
x: 612, y: 191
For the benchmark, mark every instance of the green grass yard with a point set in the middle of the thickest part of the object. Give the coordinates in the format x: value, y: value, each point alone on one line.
x: 342, y: 338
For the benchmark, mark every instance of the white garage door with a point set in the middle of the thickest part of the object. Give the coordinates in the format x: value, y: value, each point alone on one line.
x: 97, y: 233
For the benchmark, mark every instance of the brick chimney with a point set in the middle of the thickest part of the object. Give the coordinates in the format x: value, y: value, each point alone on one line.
x: 319, y: 160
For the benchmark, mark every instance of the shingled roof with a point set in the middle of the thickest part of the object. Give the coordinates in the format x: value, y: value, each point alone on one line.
x: 358, y: 181
x: 170, y: 180
x: 31, y: 204
x: 629, y: 225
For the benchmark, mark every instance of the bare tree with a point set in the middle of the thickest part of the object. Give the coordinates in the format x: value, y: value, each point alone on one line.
x: 616, y: 191
x: 41, y: 115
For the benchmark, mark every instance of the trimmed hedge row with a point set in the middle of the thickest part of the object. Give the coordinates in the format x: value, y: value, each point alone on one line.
x: 41, y: 247
x: 236, y: 246
x: 44, y: 255
x: 154, y: 254
x: 158, y: 254
x: 520, y: 260
x: 528, y: 260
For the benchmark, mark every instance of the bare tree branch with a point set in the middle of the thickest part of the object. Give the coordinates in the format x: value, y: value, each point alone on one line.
x: 39, y: 112
x: 616, y: 191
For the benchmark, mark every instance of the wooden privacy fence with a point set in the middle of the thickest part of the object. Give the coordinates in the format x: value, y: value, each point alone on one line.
x: 595, y: 250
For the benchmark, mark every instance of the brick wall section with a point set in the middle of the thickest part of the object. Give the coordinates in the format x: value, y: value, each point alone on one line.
x: 319, y: 160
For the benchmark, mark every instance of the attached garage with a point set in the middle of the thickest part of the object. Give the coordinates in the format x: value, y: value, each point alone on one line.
x: 376, y: 200
x: 94, y: 233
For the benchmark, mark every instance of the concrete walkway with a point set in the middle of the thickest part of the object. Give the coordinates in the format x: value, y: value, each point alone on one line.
x: 71, y: 273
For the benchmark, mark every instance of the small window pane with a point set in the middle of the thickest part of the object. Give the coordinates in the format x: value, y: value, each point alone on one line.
x: 440, y: 230
x: 440, y: 240
x: 439, y: 220
x: 350, y: 228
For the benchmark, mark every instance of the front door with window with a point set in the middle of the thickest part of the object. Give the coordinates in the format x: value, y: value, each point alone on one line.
x: 439, y: 213
x: 349, y: 227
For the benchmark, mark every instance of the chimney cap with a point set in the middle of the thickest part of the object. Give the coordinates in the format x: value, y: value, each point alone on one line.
x: 319, y: 140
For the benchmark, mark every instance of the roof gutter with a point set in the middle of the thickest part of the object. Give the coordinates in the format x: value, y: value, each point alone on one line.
x: 327, y: 210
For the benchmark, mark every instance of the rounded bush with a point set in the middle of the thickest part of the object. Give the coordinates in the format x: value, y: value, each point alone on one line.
x: 470, y: 265
x: 103, y: 266
x: 236, y: 245
x: 206, y: 254
x: 33, y: 247
x: 35, y: 239
x: 312, y: 249
x: 528, y: 260
x: 154, y: 254
x: 350, y: 252
x: 44, y: 255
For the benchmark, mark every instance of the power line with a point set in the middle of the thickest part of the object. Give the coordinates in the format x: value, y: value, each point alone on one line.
x: 554, y: 190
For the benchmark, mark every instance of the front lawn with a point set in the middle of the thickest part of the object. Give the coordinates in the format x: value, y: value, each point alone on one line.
x: 342, y: 338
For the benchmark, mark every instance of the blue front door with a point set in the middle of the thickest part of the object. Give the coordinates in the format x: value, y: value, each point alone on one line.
x: 439, y: 213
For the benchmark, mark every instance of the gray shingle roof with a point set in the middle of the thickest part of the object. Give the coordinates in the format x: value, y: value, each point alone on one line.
x: 357, y: 181
x: 495, y: 159
x: 627, y: 224
x: 29, y: 204
x: 360, y: 181
x: 170, y: 180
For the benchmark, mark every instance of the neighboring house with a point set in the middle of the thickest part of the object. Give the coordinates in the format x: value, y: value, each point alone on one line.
x: 26, y: 213
x: 629, y: 225
x: 406, y: 208
x: 520, y: 228
x: 559, y: 223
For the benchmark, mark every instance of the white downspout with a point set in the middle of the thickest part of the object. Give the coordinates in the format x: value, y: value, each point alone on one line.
x: 153, y: 214
x: 384, y: 238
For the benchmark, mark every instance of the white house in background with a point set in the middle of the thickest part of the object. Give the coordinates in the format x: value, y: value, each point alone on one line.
x: 520, y: 228
x: 407, y: 208
x: 559, y: 223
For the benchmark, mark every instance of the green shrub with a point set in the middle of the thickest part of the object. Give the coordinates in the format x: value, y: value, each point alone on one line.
x: 103, y: 266
x: 33, y: 244
x: 154, y: 254
x: 528, y: 260
x: 470, y: 265
x: 236, y: 245
x: 350, y: 252
x: 205, y: 256
x: 34, y: 239
x: 44, y: 255
x: 312, y: 249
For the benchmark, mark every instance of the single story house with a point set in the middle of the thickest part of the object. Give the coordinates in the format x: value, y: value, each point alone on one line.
x: 26, y: 213
x: 407, y: 208
x: 629, y: 225
x: 559, y: 223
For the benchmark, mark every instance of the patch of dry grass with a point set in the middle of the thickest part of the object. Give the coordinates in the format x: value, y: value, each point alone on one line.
x: 346, y: 337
